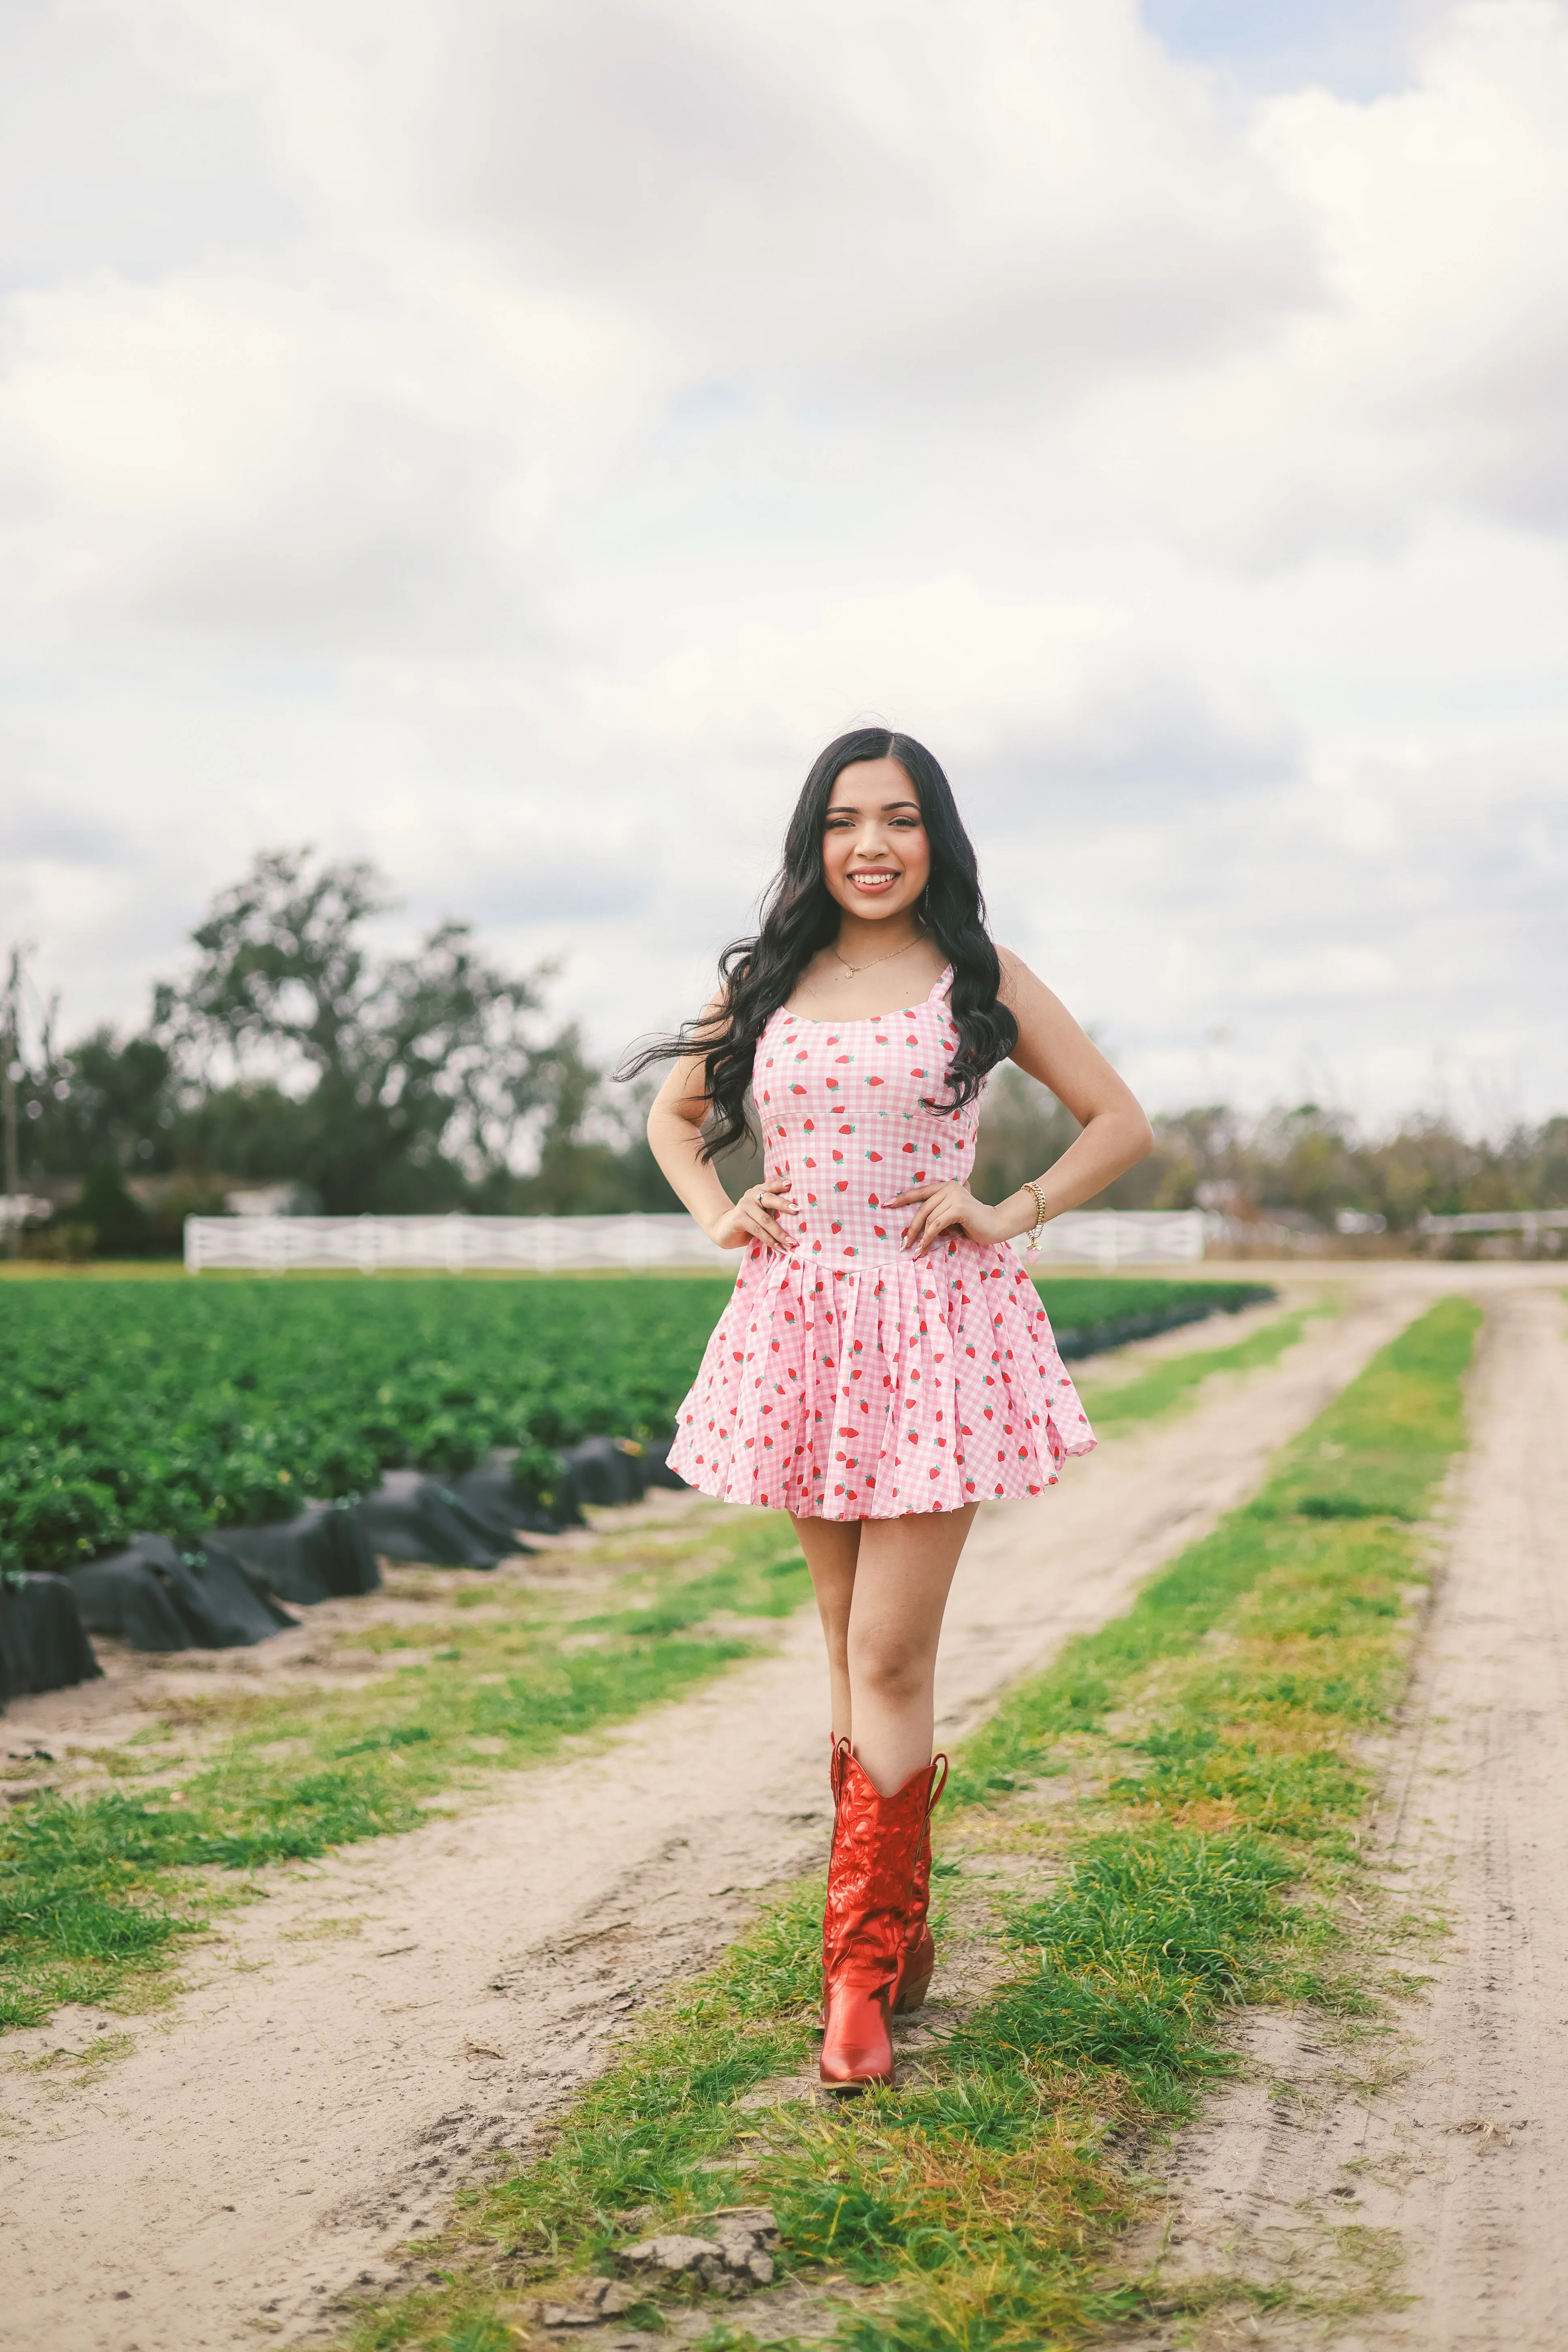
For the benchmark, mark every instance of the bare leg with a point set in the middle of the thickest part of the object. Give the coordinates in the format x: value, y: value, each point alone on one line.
x: 830, y: 1547
x: 881, y: 1588
x: 901, y: 1582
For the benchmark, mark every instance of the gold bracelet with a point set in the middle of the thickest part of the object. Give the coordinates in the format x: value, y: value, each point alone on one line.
x: 1033, y: 1244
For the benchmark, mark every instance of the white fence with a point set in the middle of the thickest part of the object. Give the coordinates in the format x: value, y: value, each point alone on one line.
x: 446, y: 1244
x: 1104, y: 1237
x: 1112, y: 1238
x: 1529, y: 1223
x: 1269, y: 1233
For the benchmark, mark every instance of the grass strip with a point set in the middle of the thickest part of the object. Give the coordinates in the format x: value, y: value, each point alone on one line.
x: 1213, y: 1733
x: 1172, y: 1385
x: 99, y: 1894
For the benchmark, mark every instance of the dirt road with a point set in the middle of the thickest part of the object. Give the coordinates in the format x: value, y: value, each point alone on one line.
x: 351, y: 2044
x: 1453, y: 2137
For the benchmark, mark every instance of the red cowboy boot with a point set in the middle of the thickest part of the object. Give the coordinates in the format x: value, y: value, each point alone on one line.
x: 917, y: 1955
x: 869, y: 1885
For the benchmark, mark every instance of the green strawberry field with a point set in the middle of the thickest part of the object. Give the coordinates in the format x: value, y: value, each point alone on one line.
x: 172, y: 1406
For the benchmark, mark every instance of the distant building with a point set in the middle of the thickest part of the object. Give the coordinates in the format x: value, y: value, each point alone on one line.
x: 264, y: 1201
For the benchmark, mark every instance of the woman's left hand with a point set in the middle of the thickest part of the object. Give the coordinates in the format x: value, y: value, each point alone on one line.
x: 940, y: 1208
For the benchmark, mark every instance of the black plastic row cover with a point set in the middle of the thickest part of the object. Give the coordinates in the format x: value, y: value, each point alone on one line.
x: 493, y: 1492
x: 614, y: 1470
x: 323, y: 1554
x: 43, y: 1643
x: 659, y: 1473
x: 227, y: 1592
x: 155, y: 1598
x: 603, y: 1470
x: 413, y: 1517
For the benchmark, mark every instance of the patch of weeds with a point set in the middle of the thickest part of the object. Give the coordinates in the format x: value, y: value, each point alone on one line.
x: 474, y: 2331
x: 104, y: 2049
x: 480, y: 2334
x: 323, y: 1931
x: 978, y: 2207
x: 725, y: 2336
x: 397, y: 1735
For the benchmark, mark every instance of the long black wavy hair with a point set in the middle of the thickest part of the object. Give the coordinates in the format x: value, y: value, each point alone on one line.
x: 800, y: 916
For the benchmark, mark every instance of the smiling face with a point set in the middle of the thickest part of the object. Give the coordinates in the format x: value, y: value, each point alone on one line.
x: 875, y: 854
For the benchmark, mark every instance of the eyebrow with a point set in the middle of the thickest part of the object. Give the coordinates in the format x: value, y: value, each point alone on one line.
x: 848, y: 808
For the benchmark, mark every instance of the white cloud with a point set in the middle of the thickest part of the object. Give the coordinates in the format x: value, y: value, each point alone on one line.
x: 915, y: 197
x: 598, y: 408
x: 299, y: 455
x: 1433, y: 375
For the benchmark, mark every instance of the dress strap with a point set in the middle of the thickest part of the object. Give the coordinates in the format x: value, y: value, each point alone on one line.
x: 943, y: 982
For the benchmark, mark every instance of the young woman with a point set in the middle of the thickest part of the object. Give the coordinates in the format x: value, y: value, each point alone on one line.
x: 884, y: 1364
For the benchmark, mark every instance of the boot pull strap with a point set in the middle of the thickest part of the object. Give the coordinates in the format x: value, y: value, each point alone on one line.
x: 937, y: 1786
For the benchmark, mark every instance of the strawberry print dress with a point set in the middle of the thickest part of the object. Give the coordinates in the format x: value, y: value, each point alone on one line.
x: 848, y: 1379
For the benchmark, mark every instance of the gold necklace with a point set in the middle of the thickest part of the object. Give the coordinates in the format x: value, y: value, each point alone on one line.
x: 850, y: 970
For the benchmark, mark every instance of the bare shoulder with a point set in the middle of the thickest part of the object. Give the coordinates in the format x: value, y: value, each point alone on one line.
x: 1045, y: 1028
x: 1017, y: 978
x: 1053, y: 1048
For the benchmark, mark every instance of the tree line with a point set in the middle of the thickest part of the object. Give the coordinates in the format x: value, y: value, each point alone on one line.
x: 1307, y: 1164
x: 295, y: 1052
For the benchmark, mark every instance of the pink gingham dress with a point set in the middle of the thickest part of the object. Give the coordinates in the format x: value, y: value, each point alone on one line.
x: 848, y: 1379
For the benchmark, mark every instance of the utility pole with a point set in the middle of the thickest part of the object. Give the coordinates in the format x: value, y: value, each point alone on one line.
x: 13, y: 1071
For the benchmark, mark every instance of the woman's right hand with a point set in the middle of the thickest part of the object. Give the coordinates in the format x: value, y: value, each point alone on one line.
x: 754, y: 1217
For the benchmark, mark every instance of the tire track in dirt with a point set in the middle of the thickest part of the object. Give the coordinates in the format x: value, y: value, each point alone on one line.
x: 1459, y: 2145
x: 314, y: 2097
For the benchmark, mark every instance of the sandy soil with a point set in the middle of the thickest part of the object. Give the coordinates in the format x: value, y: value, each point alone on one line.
x: 1449, y: 2139
x: 348, y: 2048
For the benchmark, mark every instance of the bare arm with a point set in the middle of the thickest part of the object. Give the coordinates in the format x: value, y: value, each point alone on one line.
x: 675, y: 1138
x: 1054, y: 1049
x: 1116, y: 1134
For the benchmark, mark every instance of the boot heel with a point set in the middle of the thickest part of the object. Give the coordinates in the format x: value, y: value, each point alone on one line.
x: 916, y: 1970
x: 912, y: 1994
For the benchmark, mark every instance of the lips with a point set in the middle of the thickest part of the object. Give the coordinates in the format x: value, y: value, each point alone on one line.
x: 873, y: 879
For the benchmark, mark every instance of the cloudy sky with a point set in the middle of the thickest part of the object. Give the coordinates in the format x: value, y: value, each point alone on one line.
x: 507, y: 440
